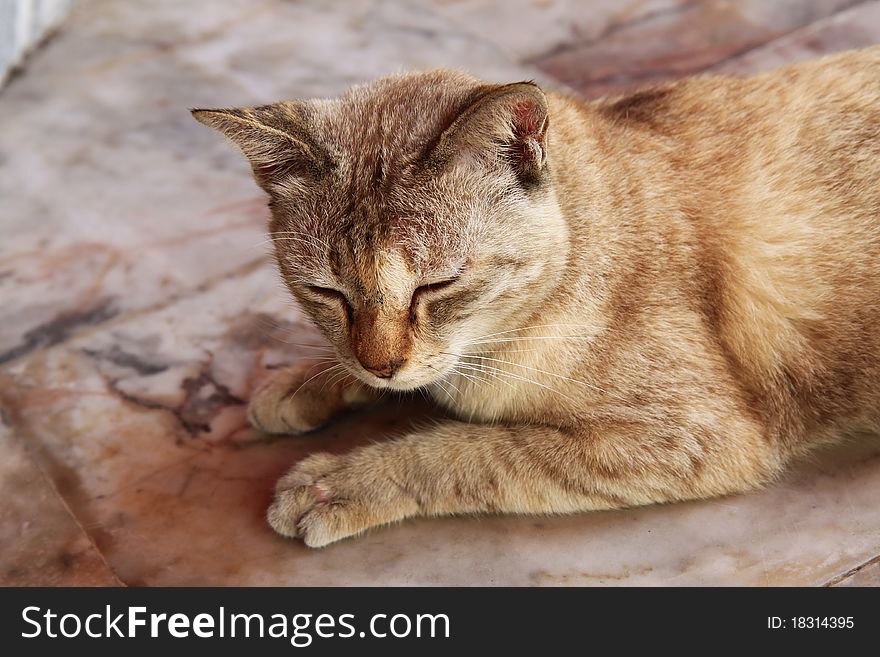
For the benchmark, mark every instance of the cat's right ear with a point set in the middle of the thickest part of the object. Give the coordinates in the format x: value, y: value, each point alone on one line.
x: 274, y: 138
x: 498, y: 122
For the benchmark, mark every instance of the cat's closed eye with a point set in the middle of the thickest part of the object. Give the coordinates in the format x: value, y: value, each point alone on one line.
x: 331, y: 294
x: 430, y: 288
x: 427, y: 290
x: 327, y: 292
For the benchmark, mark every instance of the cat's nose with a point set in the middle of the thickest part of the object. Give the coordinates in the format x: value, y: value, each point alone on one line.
x: 383, y: 370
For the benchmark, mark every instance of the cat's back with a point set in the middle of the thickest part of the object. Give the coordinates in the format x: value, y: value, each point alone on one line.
x: 787, y: 180
x: 798, y: 143
x: 783, y: 108
x: 775, y: 185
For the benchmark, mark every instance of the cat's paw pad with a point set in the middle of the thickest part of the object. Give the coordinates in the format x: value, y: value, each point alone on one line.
x: 305, y: 504
x: 322, y: 501
x: 289, y: 402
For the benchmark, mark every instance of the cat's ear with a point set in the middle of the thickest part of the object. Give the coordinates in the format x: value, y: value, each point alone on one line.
x: 274, y: 138
x: 508, y: 120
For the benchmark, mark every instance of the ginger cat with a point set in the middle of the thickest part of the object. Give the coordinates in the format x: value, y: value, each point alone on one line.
x: 659, y: 297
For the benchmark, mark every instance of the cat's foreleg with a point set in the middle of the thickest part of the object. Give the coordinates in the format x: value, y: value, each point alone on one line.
x: 465, y: 468
x: 303, y: 398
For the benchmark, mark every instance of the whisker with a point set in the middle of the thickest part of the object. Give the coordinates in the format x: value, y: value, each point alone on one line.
x: 537, y: 326
x: 516, y: 377
x: 509, y: 351
x: 469, y: 377
x: 474, y: 368
x: 554, y: 374
x: 477, y: 380
x: 439, y: 384
x: 273, y: 325
x: 454, y: 387
x: 317, y: 359
x: 492, y: 371
x: 344, y: 378
x: 319, y: 347
x: 334, y: 379
x: 533, y: 337
x: 324, y: 371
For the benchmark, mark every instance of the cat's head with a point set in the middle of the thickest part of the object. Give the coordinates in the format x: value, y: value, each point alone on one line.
x: 412, y: 217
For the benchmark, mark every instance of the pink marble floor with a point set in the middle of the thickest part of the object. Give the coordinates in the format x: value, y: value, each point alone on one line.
x: 140, y: 306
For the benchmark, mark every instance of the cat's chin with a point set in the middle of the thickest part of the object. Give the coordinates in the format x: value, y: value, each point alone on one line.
x: 403, y: 384
x: 400, y: 386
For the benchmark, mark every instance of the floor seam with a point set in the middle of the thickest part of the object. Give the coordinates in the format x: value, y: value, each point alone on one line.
x: 37, y: 462
x: 834, y: 581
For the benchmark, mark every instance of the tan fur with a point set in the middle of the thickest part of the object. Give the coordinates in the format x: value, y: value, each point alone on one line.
x: 659, y: 297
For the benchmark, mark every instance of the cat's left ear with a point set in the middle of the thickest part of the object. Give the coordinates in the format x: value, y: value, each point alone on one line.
x: 508, y: 120
x: 275, y: 139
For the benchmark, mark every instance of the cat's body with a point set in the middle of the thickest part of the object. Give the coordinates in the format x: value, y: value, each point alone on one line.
x: 660, y: 297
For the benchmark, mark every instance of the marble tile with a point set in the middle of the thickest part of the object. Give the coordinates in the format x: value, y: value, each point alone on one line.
x: 677, y: 43
x: 857, y: 27
x: 327, y: 48
x: 143, y: 424
x: 531, y: 29
x: 41, y: 543
x: 140, y: 310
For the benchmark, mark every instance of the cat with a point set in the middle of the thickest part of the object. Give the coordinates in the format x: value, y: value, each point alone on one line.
x: 663, y: 296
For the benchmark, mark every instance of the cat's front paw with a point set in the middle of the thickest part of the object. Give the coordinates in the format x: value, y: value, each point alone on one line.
x: 293, y: 400
x: 324, y: 499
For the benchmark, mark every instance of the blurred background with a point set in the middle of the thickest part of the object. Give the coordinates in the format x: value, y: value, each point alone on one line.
x: 139, y: 305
